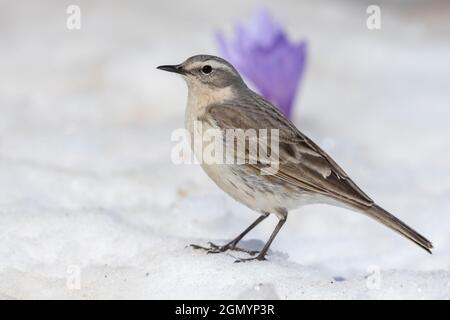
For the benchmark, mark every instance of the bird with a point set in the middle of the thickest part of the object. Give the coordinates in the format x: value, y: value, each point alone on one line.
x: 219, y: 99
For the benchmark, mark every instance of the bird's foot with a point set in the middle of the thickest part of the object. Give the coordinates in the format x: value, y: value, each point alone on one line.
x: 259, y: 257
x: 207, y: 249
x: 214, y: 248
x: 231, y: 246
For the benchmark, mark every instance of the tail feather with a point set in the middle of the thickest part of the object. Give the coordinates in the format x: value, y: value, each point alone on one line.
x: 395, y: 224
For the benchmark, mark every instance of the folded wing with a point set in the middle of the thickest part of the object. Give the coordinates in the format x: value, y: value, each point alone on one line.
x: 301, y: 162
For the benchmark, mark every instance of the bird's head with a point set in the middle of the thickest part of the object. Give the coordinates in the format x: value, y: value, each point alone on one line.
x: 206, y: 72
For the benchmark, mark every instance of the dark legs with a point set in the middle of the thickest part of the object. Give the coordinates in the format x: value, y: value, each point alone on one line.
x: 232, y: 244
x: 262, y: 254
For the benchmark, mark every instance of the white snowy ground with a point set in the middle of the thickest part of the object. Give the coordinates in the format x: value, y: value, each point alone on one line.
x: 92, y: 207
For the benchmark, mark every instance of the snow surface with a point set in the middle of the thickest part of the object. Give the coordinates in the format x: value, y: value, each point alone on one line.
x: 92, y: 207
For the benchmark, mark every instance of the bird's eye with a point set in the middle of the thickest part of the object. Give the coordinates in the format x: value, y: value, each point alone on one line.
x: 206, y: 69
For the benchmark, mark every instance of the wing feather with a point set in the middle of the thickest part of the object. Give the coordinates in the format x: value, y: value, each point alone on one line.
x: 302, y: 162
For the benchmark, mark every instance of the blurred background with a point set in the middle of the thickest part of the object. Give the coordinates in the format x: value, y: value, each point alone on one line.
x: 91, y: 205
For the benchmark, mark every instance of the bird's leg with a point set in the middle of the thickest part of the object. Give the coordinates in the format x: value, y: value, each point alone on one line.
x: 232, y: 244
x: 262, y: 254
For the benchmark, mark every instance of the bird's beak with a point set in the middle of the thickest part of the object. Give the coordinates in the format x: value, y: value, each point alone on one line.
x: 178, y: 68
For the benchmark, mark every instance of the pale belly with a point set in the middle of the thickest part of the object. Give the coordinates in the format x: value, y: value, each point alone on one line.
x: 258, y: 192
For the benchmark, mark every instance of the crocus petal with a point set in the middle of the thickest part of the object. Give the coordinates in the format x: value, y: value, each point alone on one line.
x: 262, y: 53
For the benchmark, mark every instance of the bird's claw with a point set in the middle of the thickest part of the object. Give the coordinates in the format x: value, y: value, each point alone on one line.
x: 214, y: 248
x: 258, y: 257
x: 208, y: 250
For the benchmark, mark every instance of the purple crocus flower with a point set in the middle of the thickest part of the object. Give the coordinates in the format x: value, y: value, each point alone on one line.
x: 262, y: 52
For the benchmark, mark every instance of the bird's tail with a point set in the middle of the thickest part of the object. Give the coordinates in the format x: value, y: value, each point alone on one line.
x: 395, y: 224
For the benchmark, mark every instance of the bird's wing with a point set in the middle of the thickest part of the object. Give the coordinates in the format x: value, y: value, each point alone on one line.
x: 301, y: 162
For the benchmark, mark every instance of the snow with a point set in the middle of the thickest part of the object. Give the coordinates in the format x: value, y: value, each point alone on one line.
x: 92, y: 207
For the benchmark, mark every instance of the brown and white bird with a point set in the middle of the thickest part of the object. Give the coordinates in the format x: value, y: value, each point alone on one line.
x: 219, y: 99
